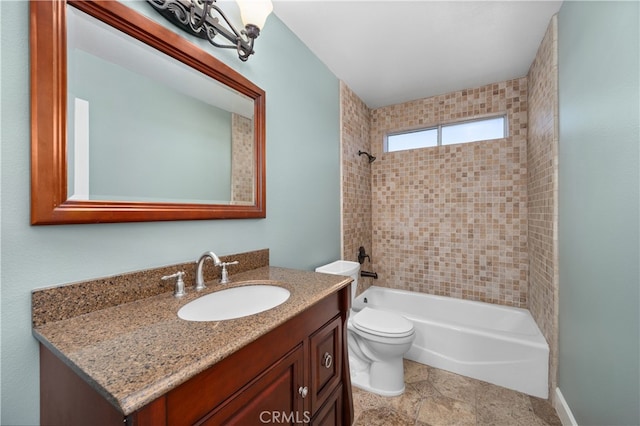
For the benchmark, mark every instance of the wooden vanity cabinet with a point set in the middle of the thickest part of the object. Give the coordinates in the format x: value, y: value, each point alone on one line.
x: 295, y: 374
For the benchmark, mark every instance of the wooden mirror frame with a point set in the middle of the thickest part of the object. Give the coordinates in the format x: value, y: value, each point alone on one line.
x: 49, y: 202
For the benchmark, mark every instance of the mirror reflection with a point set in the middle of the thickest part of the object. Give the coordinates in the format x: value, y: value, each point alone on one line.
x: 142, y: 126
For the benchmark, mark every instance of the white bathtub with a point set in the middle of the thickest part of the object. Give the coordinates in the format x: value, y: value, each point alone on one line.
x: 494, y: 343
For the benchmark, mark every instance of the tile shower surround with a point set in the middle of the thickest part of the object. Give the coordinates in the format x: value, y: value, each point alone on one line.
x: 538, y: 289
x: 356, y: 180
x: 452, y: 220
x: 542, y: 183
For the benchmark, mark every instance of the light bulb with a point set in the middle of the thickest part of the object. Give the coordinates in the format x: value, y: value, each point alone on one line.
x: 255, y: 12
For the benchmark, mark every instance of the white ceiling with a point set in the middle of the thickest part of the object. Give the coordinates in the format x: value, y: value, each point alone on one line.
x: 390, y: 52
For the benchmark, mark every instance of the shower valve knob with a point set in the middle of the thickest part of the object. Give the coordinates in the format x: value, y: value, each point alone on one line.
x: 362, y: 255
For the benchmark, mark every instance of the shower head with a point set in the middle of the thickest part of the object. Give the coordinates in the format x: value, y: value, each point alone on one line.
x: 371, y: 157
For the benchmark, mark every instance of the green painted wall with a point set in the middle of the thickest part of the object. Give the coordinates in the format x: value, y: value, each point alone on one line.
x: 598, y: 50
x: 302, y: 227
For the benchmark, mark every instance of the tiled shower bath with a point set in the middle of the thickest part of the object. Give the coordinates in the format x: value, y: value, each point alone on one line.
x: 452, y: 220
x: 475, y: 221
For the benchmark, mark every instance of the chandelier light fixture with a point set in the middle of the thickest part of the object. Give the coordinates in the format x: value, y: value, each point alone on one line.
x: 204, y: 19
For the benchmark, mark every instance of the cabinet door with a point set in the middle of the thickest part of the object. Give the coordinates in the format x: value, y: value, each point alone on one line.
x: 272, y: 397
x: 326, y: 362
x: 331, y: 412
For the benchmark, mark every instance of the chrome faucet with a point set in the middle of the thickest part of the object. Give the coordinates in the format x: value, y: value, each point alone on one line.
x: 224, y: 276
x: 199, y: 278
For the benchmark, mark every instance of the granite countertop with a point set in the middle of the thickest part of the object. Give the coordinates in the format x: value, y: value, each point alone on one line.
x: 135, y: 352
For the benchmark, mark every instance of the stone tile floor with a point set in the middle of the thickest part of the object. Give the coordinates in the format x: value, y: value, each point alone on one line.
x: 436, y: 398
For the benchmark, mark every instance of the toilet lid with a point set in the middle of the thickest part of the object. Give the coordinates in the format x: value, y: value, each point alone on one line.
x: 382, y: 323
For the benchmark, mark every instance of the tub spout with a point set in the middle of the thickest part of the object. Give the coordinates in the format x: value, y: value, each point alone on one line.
x: 373, y: 275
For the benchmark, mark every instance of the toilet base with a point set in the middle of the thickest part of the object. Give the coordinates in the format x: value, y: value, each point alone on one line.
x: 362, y: 379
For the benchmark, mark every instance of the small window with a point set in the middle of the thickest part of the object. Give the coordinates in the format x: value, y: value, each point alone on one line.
x: 411, y: 140
x: 449, y: 134
x: 473, y: 131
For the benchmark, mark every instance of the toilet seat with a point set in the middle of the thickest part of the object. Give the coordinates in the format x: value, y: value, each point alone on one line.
x: 382, y: 323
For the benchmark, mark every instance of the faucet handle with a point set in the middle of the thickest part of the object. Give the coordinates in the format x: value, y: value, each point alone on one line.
x: 179, y: 289
x: 224, y: 275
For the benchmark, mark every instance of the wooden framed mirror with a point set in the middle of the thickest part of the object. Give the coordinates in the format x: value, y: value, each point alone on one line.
x: 60, y: 192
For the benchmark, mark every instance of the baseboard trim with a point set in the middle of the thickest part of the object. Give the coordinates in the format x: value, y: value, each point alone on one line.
x: 563, y: 410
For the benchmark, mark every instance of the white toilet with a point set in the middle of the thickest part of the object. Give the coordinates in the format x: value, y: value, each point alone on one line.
x: 377, y: 340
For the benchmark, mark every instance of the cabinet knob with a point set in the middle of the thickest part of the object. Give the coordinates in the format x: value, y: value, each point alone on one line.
x: 327, y: 360
x: 303, y: 391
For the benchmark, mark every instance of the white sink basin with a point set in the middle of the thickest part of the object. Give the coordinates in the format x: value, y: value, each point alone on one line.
x: 234, y: 302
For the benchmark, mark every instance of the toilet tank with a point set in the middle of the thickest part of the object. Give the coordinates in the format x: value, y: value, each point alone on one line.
x: 343, y: 267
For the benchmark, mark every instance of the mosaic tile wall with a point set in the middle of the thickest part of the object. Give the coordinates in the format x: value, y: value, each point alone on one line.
x: 356, y: 179
x: 452, y: 220
x: 242, y: 166
x: 542, y: 159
